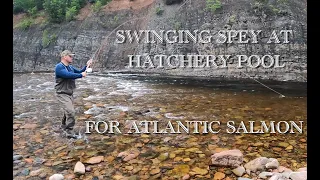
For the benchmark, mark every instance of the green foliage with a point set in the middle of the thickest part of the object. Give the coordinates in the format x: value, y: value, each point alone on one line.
x: 27, y: 6
x: 274, y: 9
x: 71, y: 13
x: 104, y: 2
x: 97, y: 6
x: 177, y: 26
x: 232, y: 19
x: 213, y: 5
x: 56, y: 9
x: 33, y: 12
x: 23, y: 5
x: 25, y: 24
x: 159, y: 11
x: 47, y: 39
x: 115, y: 19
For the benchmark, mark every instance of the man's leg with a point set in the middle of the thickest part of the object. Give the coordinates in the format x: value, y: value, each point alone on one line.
x: 69, y: 112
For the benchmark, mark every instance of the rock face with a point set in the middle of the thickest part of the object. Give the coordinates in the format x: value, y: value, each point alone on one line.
x: 231, y: 158
x: 93, y: 37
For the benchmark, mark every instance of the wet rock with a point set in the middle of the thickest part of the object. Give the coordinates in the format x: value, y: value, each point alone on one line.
x: 286, y: 174
x: 239, y: 171
x: 88, y: 169
x: 95, y: 178
x: 277, y: 176
x: 302, y: 175
x: 154, y: 171
x: 232, y: 158
x: 274, y: 164
x: 28, y: 126
x: 163, y: 156
x: 256, y: 164
x: 110, y: 159
x: 15, y: 173
x: 264, y: 175
x: 302, y: 169
x: 186, y: 177
x: 258, y: 144
x: 25, y: 172
x: 17, y: 157
x: 95, y: 160
x: 16, y: 161
x: 289, y: 147
x: 283, y: 144
x: 43, y: 175
x: 283, y: 169
x: 118, y: 177
x: 200, y: 171
x: 36, y: 172
x: 228, y: 172
x: 129, y: 168
x: 16, y: 126
x: 38, y: 161
x: 28, y: 160
x: 130, y: 157
x: 180, y: 169
x: 79, y: 147
x: 218, y: 176
x: 79, y: 168
x: 56, y: 177
x: 70, y: 177
x: 167, y: 139
x: 172, y: 155
x: 134, y: 177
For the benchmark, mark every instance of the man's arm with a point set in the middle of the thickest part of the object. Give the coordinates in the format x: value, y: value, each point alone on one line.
x: 79, y: 71
x: 62, y: 72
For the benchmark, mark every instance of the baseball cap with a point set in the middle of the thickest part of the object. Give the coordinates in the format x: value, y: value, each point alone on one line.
x: 66, y: 53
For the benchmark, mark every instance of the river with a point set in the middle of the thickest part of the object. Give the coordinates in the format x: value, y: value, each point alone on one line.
x: 132, y: 98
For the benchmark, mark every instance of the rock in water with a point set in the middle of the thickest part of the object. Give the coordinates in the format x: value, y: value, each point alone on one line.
x: 17, y: 157
x: 273, y: 164
x: 79, y: 168
x: 302, y: 175
x: 256, y: 164
x: 264, y: 175
x: 239, y: 171
x: 302, y: 169
x: 56, y: 177
x: 232, y: 158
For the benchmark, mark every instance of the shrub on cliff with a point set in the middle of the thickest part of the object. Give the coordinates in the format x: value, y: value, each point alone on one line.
x: 27, y: 6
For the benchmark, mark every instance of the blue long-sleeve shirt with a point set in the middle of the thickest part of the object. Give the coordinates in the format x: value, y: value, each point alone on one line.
x: 68, y: 72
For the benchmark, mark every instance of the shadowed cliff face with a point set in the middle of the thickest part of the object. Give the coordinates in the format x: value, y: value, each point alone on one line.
x: 96, y: 31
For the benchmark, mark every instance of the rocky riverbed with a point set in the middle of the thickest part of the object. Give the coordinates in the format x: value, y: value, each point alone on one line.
x: 41, y: 153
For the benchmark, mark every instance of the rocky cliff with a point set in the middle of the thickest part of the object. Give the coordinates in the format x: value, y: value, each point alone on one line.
x: 95, y: 36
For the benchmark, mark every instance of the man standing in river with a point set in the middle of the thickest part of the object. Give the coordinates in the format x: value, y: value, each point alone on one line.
x: 65, y: 76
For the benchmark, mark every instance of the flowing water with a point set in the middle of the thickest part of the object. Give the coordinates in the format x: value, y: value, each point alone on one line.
x: 129, y: 99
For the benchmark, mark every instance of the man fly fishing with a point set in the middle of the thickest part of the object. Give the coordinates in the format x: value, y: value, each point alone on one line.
x: 65, y: 76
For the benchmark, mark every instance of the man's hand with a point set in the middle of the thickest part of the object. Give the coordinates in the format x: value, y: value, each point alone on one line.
x: 84, y: 74
x: 89, y: 63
